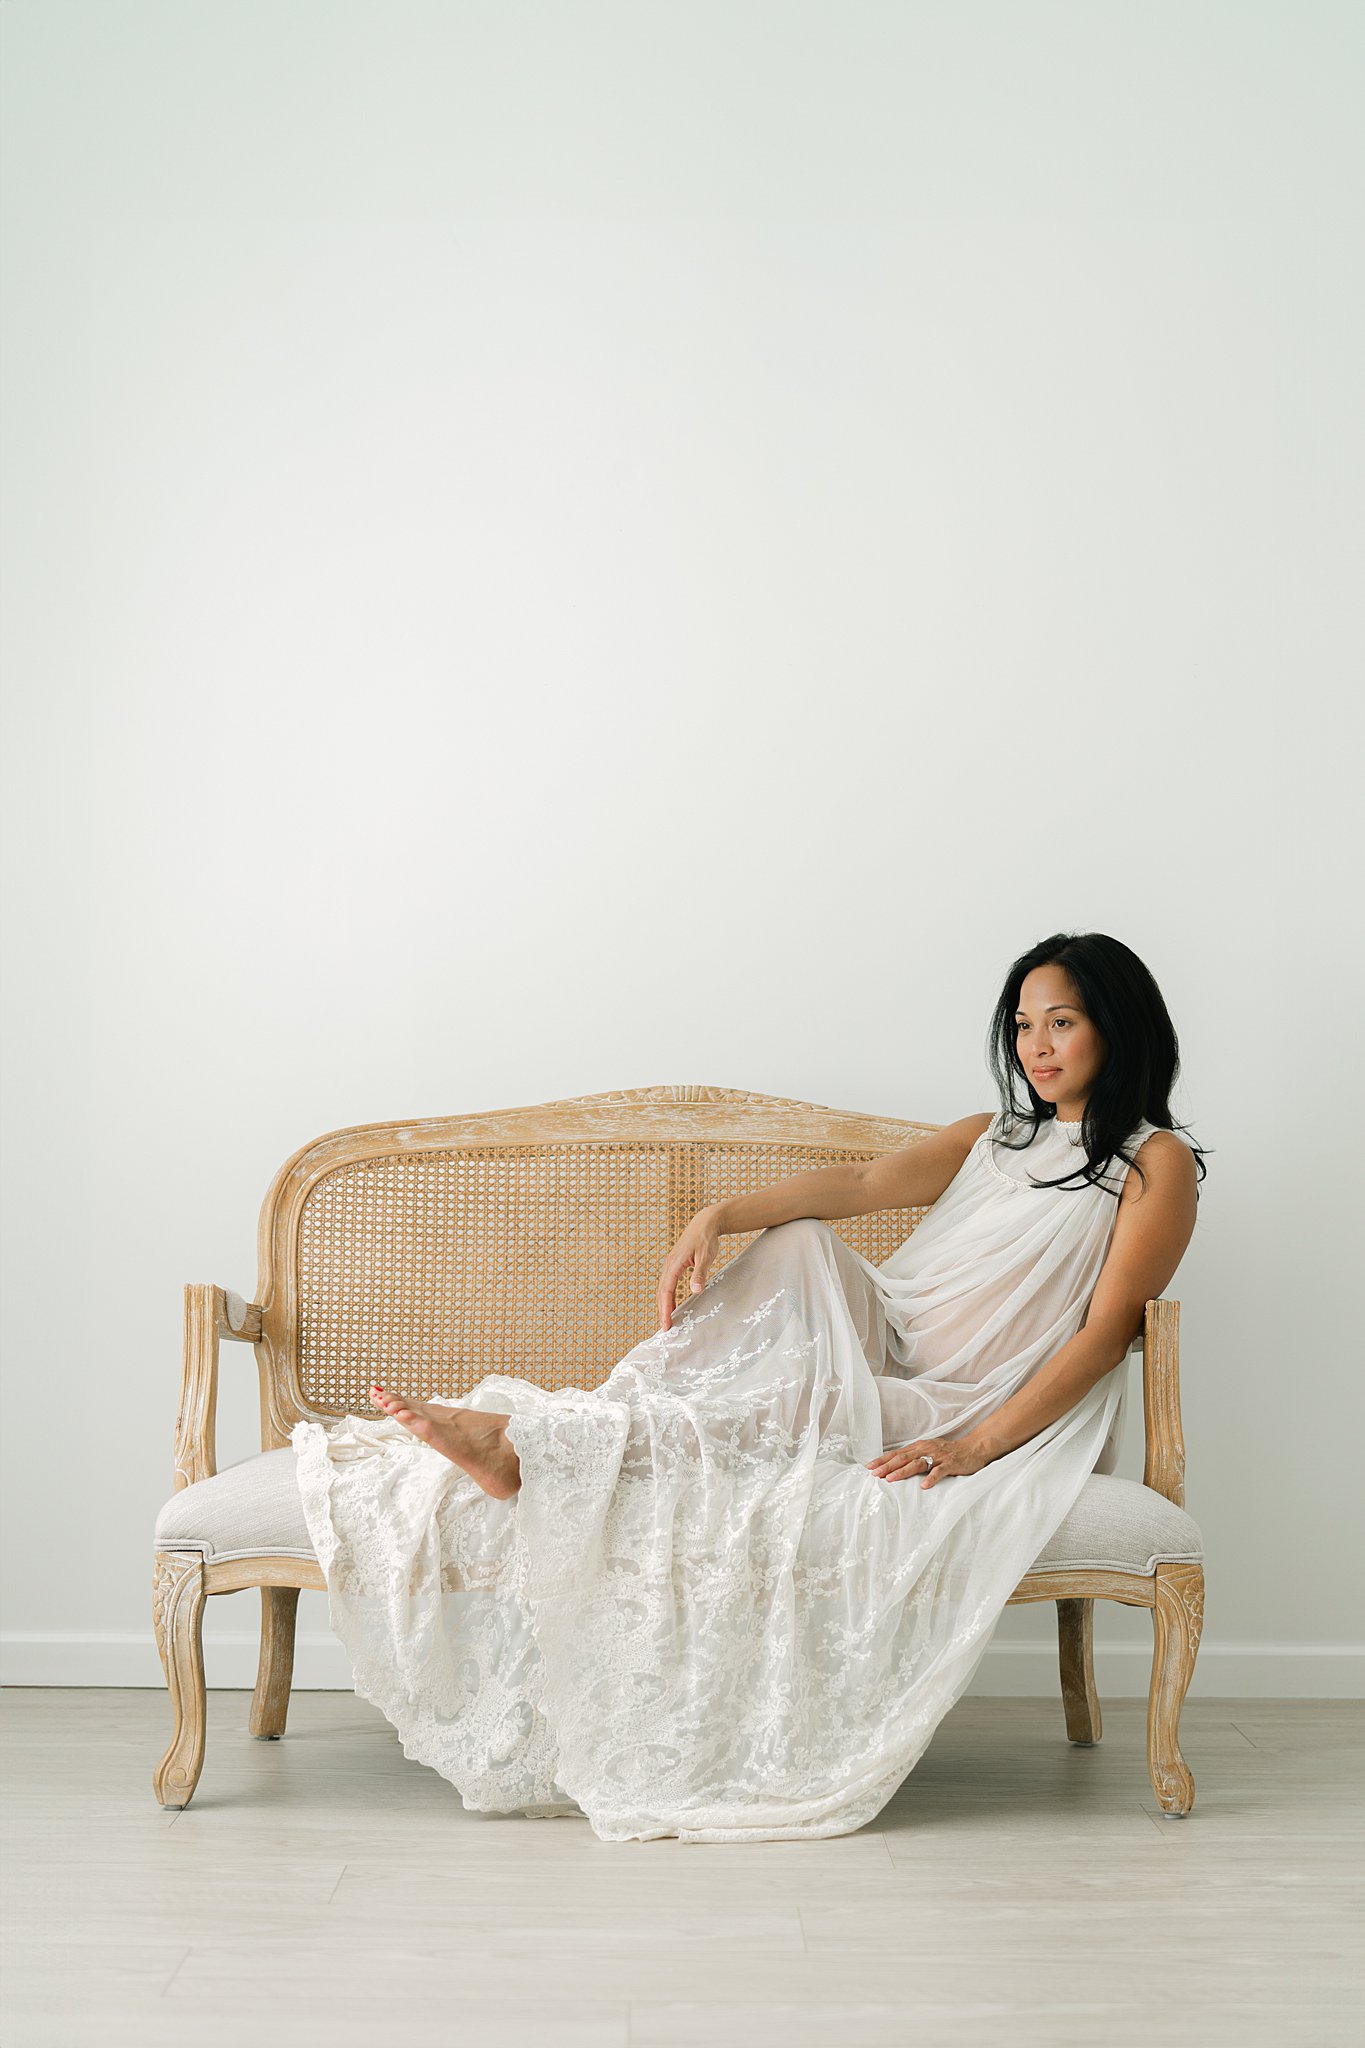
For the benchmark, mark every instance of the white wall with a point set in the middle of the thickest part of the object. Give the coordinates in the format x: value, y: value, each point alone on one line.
x: 559, y: 547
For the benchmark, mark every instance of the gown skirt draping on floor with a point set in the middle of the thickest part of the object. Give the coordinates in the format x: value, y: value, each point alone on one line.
x: 701, y: 1615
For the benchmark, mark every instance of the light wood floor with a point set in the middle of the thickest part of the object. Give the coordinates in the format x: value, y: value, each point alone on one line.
x: 1017, y: 1891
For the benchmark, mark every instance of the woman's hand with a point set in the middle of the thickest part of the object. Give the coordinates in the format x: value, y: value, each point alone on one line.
x: 695, y: 1248
x: 952, y: 1456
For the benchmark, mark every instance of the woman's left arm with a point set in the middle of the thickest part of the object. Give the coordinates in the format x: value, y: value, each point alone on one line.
x: 1151, y: 1231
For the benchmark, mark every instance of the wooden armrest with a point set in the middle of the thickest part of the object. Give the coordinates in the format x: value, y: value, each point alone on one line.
x: 211, y: 1313
x: 1164, y: 1467
x: 241, y: 1319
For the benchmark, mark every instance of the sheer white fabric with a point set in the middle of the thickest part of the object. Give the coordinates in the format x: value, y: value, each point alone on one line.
x: 701, y: 1616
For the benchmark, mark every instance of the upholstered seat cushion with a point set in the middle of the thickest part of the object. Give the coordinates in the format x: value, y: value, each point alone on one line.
x: 254, y: 1507
x: 242, y: 1511
x: 1121, y: 1524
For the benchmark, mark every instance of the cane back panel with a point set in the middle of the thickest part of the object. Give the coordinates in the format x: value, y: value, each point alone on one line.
x: 428, y: 1268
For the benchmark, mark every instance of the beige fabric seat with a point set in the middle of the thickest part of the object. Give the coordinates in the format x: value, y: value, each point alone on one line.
x: 247, y: 1510
x: 530, y: 1240
x: 253, y: 1510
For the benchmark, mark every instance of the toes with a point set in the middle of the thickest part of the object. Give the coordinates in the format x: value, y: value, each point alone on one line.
x: 412, y: 1416
x: 393, y: 1406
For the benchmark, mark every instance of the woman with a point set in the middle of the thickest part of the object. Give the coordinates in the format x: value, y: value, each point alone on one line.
x: 701, y: 1600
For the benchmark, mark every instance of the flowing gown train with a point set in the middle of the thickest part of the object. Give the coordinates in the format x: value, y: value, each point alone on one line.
x: 701, y: 1616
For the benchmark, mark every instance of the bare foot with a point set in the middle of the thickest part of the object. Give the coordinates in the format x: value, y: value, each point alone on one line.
x: 470, y: 1437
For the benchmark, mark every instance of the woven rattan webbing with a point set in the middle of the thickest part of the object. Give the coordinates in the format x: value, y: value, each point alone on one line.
x: 427, y: 1270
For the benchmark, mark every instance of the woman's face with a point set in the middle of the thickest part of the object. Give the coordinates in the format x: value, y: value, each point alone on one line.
x: 1059, y: 1048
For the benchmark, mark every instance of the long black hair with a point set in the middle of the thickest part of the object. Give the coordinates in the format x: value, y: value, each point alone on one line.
x: 1122, y: 1001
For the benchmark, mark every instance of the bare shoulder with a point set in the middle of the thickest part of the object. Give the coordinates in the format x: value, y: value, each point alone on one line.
x: 970, y: 1128
x: 1168, y: 1164
x: 918, y: 1172
x: 955, y: 1137
x: 958, y: 1138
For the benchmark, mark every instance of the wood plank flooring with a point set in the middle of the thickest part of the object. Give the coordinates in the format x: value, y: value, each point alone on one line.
x: 1018, y: 1892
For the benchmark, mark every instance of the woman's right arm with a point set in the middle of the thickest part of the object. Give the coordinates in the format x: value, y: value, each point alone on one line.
x: 911, y: 1178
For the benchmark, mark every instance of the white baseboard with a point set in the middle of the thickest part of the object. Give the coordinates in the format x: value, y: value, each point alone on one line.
x: 1250, y: 1671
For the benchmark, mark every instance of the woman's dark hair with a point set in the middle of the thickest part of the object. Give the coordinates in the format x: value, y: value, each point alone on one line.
x: 1123, y: 1002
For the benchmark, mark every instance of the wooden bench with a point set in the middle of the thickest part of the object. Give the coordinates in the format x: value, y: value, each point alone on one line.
x: 529, y: 1241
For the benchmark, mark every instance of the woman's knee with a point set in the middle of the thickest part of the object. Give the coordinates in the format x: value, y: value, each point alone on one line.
x: 801, y: 1229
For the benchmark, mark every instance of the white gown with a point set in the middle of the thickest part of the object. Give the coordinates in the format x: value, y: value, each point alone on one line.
x: 701, y: 1615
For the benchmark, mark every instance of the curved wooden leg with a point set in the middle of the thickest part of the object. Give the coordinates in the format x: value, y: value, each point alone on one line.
x: 1177, y: 1622
x: 178, y: 1614
x: 274, y: 1674
x: 1076, y: 1646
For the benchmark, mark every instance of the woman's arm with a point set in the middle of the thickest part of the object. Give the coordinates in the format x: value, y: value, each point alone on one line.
x: 1151, y: 1231
x: 911, y: 1178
